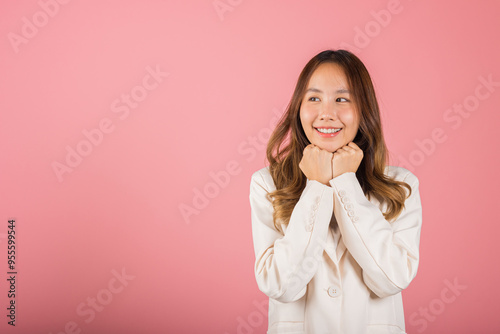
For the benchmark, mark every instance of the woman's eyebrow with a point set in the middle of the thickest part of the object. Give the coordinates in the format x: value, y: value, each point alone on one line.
x: 316, y: 90
x: 343, y: 91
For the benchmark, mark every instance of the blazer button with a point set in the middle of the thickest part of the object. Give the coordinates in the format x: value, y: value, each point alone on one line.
x: 341, y: 192
x: 333, y: 292
x: 355, y: 218
x: 348, y: 206
x: 345, y: 200
x: 309, y: 227
x: 350, y: 213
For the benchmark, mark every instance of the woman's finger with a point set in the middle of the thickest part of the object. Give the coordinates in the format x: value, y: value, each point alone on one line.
x: 353, y: 145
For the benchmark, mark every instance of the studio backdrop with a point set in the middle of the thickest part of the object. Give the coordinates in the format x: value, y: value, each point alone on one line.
x: 130, y: 130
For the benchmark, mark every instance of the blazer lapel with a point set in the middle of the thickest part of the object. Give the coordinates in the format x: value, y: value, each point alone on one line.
x: 334, y: 254
x: 340, y: 248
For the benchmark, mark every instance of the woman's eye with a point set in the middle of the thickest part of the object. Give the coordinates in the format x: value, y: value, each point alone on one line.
x: 341, y: 99
x: 315, y: 99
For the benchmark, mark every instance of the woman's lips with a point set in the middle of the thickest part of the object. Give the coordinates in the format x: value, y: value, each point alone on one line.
x: 327, y: 135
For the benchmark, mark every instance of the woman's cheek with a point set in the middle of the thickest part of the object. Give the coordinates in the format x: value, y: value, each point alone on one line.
x: 309, y: 115
x: 304, y: 118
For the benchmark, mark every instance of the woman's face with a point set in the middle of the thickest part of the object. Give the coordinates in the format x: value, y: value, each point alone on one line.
x: 327, y: 113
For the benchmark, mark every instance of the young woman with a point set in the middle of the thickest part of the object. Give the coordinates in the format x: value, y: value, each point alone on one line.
x: 336, y: 231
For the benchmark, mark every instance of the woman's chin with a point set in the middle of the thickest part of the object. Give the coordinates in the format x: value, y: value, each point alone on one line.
x: 329, y: 148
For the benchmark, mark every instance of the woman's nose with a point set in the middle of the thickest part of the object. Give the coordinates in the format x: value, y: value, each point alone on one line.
x: 328, y: 113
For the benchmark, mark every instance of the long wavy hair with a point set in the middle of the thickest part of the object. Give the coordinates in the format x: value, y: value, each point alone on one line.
x: 288, y: 140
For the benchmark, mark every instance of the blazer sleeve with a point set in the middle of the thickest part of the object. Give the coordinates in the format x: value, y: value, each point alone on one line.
x: 387, y: 252
x: 285, y: 263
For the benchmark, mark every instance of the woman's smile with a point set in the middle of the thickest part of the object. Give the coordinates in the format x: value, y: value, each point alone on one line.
x: 327, y: 132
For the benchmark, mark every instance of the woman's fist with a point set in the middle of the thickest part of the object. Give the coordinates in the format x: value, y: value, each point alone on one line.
x: 316, y: 164
x: 346, y: 159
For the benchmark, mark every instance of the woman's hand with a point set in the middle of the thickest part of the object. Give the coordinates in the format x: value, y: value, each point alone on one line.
x: 316, y: 164
x: 346, y: 159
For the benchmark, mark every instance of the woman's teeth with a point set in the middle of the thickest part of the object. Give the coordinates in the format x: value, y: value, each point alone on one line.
x: 328, y: 130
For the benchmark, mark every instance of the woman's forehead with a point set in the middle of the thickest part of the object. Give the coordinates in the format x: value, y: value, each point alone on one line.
x: 328, y: 77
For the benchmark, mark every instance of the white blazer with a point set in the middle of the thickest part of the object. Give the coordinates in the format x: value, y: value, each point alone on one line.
x: 339, y: 266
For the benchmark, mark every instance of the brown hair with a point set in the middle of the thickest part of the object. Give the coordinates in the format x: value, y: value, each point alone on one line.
x: 288, y: 140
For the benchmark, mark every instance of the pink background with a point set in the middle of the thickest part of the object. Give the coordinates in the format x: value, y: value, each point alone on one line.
x: 229, y: 73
